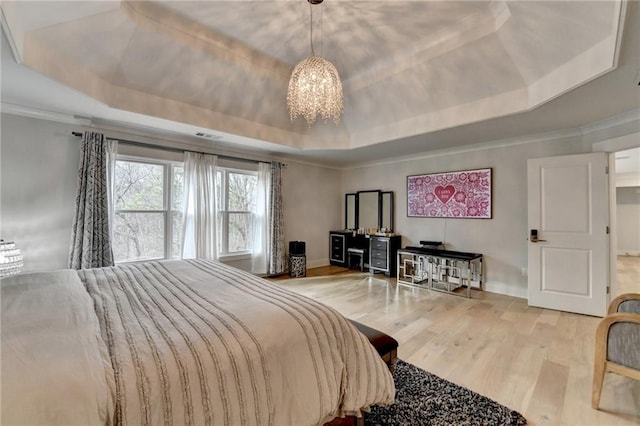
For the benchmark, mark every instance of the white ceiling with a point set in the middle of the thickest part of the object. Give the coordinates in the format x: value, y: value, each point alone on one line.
x: 418, y: 75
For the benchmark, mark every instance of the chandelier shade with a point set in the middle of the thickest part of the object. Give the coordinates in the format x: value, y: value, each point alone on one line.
x: 315, y: 91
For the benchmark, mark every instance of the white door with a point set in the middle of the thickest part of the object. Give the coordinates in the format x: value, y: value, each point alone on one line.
x: 569, y: 210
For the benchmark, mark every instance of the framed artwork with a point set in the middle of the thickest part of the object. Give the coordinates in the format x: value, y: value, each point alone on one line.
x: 464, y: 194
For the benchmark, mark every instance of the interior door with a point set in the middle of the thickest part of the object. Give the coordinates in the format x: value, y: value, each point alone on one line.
x: 569, y: 210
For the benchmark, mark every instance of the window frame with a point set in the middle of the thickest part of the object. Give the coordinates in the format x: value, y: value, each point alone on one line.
x: 167, y: 202
x: 223, y: 233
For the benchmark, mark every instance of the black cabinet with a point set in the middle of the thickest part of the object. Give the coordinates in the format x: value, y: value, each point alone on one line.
x: 338, y: 248
x: 340, y: 241
x: 382, y: 254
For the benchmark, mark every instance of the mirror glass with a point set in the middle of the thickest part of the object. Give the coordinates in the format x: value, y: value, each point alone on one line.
x: 387, y: 211
x: 368, y: 209
x: 350, y: 211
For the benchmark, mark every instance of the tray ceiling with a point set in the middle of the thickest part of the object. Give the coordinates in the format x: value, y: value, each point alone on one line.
x: 408, y: 67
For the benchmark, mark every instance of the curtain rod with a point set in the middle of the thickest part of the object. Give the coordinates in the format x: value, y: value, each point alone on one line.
x: 172, y: 149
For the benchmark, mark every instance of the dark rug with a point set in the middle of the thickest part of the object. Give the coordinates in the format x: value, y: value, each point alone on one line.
x: 423, y: 398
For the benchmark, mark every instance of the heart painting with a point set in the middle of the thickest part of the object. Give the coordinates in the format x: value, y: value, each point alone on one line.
x: 444, y: 193
x: 463, y: 194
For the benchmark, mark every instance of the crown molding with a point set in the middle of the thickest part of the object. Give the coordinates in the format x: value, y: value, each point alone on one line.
x: 559, y: 135
x: 6, y: 29
x: 42, y: 114
x: 611, y: 122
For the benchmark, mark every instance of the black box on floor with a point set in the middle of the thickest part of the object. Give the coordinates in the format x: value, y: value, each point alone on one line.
x: 297, y: 247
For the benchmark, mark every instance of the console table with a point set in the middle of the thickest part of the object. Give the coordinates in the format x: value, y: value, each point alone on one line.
x: 440, y: 270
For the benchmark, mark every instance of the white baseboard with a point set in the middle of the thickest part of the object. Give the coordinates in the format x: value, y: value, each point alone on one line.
x: 317, y: 263
x: 506, y: 289
x: 628, y: 253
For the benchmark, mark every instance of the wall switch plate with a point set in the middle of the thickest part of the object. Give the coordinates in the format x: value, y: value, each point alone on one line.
x: 524, y: 271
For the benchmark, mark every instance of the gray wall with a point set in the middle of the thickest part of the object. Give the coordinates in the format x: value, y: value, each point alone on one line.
x: 628, y: 219
x: 39, y: 163
x: 312, y: 207
x: 502, y: 239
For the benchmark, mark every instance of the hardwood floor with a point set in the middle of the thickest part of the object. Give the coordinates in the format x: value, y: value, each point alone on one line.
x: 628, y: 274
x: 536, y: 361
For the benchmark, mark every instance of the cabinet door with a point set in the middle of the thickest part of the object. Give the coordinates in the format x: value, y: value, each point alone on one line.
x: 379, y: 263
x: 379, y: 244
x: 379, y: 251
x: 337, y: 248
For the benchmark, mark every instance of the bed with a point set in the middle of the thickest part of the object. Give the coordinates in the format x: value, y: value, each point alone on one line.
x: 178, y: 342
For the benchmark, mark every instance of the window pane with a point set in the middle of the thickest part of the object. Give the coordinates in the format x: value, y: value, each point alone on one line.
x: 242, y: 192
x: 176, y: 240
x: 239, y: 231
x: 139, y: 186
x: 220, y: 231
x: 177, y: 188
x: 138, y: 236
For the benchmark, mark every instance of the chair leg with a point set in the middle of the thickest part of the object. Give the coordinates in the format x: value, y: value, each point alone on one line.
x: 598, y: 379
x: 599, y: 363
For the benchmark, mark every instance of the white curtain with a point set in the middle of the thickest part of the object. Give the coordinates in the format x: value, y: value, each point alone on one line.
x: 199, y: 231
x: 261, y: 229
x: 112, y: 155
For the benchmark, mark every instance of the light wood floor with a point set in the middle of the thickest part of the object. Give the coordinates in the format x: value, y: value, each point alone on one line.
x: 536, y: 361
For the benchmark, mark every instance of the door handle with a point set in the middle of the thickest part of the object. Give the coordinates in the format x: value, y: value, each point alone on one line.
x: 533, y: 236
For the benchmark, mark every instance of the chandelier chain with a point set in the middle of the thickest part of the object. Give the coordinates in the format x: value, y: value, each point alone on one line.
x: 313, y: 53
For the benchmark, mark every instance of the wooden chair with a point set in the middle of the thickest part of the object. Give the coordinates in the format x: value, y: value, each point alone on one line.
x: 617, y: 343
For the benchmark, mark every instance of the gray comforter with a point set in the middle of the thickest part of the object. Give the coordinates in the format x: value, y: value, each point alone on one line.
x: 199, y: 342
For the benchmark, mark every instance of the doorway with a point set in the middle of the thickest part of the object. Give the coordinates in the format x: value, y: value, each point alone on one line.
x: 627, y: 218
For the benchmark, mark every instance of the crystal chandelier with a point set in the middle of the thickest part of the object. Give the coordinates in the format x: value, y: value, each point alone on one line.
x: 315, y: 88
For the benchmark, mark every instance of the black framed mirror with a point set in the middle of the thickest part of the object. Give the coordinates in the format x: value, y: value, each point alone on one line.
x: 368, y: 209
x: 386, y: 210
x: 350, y: 218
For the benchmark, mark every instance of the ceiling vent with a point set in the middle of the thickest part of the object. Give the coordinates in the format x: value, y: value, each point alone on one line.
x: 209, y: 136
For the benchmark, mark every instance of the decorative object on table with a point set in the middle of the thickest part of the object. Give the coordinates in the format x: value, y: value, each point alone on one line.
x: 11, y: 260
x: 297, y: 247
x: 315, y: 88
x: 463, y: 194
x: 297, y: 259
x: 423, y: 398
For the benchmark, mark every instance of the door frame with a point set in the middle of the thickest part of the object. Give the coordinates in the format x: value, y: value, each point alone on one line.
x: 611, y: 146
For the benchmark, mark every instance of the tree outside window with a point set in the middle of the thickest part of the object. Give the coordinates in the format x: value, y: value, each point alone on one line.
x: 236, y: 193
x: 148, y: 210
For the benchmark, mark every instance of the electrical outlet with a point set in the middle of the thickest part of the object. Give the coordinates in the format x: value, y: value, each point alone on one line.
x: 524, y: 271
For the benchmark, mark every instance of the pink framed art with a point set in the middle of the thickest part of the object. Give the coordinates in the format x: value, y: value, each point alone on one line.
x: 464, y: 194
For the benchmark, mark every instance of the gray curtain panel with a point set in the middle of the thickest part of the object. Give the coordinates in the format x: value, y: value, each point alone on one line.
x: 90, y: 238
x: 277, y: 260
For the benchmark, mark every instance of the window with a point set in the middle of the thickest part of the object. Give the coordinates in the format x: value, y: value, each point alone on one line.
x: 236, y: 192
x: 148, y: 210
